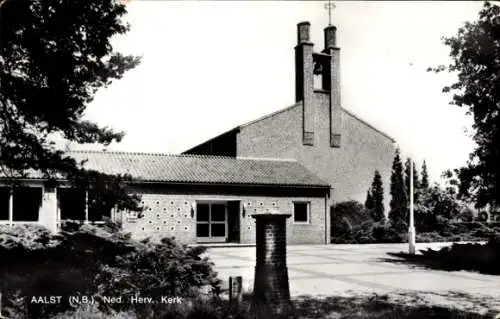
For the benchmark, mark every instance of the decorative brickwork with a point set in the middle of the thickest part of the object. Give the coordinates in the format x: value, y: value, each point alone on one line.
x: 172, y: 215
x: 271, y: 287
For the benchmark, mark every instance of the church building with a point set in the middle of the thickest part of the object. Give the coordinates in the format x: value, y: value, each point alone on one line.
x: 300, y: 160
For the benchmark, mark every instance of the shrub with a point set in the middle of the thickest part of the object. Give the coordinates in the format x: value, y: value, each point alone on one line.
x: 27, y: 236
x: 351, y: 223
x: 157, y: 270
x: 429, y: 237
x: 92, y: 261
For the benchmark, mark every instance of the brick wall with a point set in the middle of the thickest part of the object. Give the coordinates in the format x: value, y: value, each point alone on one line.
x: 271, y: 287
x: 349, y: 169
x: 171, y: 214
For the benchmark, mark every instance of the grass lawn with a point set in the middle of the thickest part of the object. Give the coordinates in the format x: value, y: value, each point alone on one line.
x: 375, y: 306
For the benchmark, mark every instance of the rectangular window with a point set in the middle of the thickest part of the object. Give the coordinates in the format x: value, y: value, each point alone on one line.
x: 211, y: 221
x: 301, y: 212
x: 27, y: 203
x: 71, y: 204
x: 98, y: 207
x: 4, y: 203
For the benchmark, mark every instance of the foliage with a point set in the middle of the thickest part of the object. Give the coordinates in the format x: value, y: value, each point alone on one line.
x: 93, y: 261
x: 483, y: 258
x: 474, y: 51
x: 424, y: 184
x: 352, y: 224
x: 352, y: 211
x: 29, y: 236
x: 156, y: 270
x: 106, y: 192
x: 398, y: 206
x: 346, y: 218
x: 375, y: 198
x: 369, y: 200
x: 466, y: 215
x: 54, y: 57
x: 435, y: 206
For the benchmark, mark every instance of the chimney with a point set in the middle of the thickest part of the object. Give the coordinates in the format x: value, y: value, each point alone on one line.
x: 304, y: 80
x: 335, y: 108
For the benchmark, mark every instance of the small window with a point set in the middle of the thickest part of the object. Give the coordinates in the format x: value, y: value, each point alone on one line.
x: 301, y: 212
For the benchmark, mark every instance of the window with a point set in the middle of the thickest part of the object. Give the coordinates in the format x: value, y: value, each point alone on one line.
x: 98, y: 207
x: 211, y: 221
x: 4, y: 203
x: 71, y: 204
x: 27, y: 203
x: 301, y: 212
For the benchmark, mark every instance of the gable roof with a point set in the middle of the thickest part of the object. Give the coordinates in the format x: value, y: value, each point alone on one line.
x: 239, y: 127
x: 198, y: 169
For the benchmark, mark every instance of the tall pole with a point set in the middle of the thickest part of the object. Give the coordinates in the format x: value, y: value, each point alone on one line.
x: 411, y: 228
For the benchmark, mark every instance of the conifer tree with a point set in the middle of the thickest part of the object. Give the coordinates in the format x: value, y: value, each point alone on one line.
x: 398, y: 204
x: 369, y: 200
x: 425, y: 177
x: 377, y: 194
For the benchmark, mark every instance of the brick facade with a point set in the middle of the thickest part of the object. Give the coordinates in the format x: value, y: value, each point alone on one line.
x: 173, y: 213
x: 228, y: 189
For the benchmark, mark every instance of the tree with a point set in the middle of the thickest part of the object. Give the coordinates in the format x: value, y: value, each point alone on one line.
x: 424, y: 184
x: 416, y: 182
x: 350, y: 221
x: 377, y: 196
x: 398, y: 205
x: 474, y: 51
x: 369, y: 200
x: 437, y: 205
x: 54, y: 56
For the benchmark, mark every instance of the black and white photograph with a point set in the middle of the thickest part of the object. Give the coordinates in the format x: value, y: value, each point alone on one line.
x: 249, y: 159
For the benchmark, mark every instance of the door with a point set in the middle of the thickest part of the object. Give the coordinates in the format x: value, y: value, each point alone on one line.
x: 211, y: 222
x: 233, y: 221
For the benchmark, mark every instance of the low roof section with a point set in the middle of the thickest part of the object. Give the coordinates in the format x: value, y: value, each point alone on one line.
x: 198, y: 169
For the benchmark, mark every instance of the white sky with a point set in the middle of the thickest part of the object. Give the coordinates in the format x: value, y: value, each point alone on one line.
x: 210, y: 66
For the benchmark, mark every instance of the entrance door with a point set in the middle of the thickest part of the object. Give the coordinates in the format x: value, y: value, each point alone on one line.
x: 211, y: 222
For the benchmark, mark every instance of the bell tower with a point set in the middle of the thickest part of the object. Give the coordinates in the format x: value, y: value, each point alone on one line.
x: 324, y: 65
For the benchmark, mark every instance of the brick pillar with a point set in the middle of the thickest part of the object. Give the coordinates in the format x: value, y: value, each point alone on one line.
x: 271, y: 296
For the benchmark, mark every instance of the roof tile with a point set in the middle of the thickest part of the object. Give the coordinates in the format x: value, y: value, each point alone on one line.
x: 153, y: 167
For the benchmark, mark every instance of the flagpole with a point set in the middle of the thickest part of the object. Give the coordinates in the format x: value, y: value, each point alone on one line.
x: 411, y: 228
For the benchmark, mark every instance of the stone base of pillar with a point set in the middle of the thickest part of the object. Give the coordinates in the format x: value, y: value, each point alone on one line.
x: 271, y: 296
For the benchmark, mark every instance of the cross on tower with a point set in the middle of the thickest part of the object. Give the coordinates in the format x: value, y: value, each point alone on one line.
x: 329, y: 6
